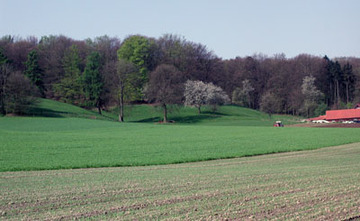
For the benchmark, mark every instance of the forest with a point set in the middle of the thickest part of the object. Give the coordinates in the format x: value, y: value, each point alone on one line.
x: 106, y: 72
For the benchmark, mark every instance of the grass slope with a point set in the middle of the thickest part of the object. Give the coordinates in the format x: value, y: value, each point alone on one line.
x: 51, y: 108
x: 308, y: 185
x: 225, y: 115
x: 55, y: 143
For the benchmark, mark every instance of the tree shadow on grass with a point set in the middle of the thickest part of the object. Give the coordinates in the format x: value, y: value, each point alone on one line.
x: 214, y: 113
x: 43, y: 112
x: 148, y: 120
x: 181, y: 120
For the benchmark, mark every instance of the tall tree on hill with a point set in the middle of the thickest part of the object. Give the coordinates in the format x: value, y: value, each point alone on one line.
x: 335, y: 78
x: 34, y: 72
x: 311, y: 94
x: 107, y: 48
x: 125, y: 82
x: 166, y: 86
x: 93, y: 83
x: 51, y: 50
x: 4, y: 75
x: 70, y: 88
x: 242, y: 96
x: 16, y: 91
x: 349, y: 81
x: 270, y: 104
x: 138, y: 50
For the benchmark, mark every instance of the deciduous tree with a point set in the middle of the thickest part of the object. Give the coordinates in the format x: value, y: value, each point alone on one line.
x: 125, y: 83
x: 242, y: 96
x: 70, y: 88
x: 34, y: 72
x: 198, y: 93
x: 93, y: 82
x: 195, y: 94
x: 19, y: 93
x: 269, y: 104
x: 138, y: 50
x: 311, y: 94
x: 166, y: 86
x: 216, y: 96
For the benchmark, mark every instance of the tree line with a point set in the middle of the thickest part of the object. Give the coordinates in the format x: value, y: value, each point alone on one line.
x: 105, y: 71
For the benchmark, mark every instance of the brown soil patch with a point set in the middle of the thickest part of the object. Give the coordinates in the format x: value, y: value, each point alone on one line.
x: 330, y: 125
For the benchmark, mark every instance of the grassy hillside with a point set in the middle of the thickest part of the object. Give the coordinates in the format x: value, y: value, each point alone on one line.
x: 55, y: 143
x: 224, y: 116
x: 51, y: 108
x: 309, y: 185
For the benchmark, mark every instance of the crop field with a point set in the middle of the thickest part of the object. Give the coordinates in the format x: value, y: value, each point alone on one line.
x: 132, y: 170
x: 60, y: 143
x: 320, y: 184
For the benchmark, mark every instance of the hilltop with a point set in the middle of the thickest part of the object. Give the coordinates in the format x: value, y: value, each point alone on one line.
x: 229, y: 115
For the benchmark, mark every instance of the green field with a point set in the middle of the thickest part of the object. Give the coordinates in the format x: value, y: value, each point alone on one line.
x: 317, y: 184
x: 308, y: 185
x: 58, y: 143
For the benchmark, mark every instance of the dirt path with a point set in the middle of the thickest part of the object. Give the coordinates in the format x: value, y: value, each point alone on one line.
x: 310, y: 185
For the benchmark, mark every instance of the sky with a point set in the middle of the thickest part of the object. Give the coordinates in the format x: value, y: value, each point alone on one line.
x: 229, y: 28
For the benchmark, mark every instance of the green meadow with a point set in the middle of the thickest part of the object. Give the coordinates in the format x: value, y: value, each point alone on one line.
x: 134, y: 169
x: 43, y: 143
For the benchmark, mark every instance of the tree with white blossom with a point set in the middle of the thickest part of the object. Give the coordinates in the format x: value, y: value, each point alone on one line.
x: 198, y: 93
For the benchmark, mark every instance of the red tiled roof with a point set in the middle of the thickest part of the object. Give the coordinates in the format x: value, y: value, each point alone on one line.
x: 343, y: 114
x: 322, y: 117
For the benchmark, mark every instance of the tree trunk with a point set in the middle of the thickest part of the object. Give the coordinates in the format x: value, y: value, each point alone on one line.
x: 199, y: 109
x: 338, y: 93
x: 347, y: 92
x: 331, y: 95
x: 99, y: 106
x: 121, y: 113
x: 165, y: 113
x: 2, y: 110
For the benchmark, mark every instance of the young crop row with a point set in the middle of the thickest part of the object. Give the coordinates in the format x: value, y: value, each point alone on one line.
x: 308, y: 185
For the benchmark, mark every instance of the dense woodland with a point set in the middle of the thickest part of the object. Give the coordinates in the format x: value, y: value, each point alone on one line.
x: 106, y: 72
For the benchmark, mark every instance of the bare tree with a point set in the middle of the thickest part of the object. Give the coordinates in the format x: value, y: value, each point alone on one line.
x: 5, y: 71
x: 16, y: 91
x: 125, y: 83
x: 269, y: 104
x: 242, y: 96
x: 165, y: 87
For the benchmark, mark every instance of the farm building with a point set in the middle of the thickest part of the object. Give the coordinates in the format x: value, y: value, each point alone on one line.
x: 340, y: 115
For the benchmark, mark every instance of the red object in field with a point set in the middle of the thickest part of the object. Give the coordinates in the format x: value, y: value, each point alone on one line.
x: 278, y: 124
x: 348, y: 114
x: 322, y: 117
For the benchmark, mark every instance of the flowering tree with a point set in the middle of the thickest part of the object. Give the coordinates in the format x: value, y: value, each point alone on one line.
x: 312, y: 95
x: 198, y: 93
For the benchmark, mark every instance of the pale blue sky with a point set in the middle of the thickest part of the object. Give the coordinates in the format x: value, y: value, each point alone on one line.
x: 228, y: 27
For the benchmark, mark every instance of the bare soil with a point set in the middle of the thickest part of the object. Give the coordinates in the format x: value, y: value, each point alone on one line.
x: 330, y: 125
